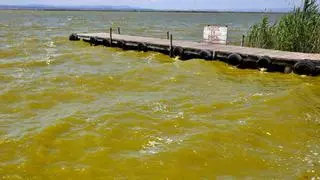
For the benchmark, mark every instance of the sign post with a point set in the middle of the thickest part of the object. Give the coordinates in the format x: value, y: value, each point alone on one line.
x: 215, y: 34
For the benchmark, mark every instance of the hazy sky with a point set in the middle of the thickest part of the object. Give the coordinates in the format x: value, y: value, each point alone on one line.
x: 169, y: 4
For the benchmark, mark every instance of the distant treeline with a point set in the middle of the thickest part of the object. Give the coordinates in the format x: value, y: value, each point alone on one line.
x: 125, y: 9
x: 139, y: 10
x: 298, y: 31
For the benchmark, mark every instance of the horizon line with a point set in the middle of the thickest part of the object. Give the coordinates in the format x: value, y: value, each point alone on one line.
x: 130, y: 8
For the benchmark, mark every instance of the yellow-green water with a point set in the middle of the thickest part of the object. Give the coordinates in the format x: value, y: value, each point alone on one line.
x: 73, y: 111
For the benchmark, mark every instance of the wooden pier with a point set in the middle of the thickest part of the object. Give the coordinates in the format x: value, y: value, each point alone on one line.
x: 241, y: 57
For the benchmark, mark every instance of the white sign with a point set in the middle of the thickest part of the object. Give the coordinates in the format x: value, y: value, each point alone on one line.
x: 215, y: 34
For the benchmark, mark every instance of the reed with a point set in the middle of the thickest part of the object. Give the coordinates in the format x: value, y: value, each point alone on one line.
x: 298, y: 31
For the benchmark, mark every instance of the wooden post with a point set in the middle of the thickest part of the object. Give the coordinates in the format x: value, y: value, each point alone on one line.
x: 242, y: 40
x: 119, y: 30
x: 171, y: 47
x: 168, y: 35
x: 110, y: 37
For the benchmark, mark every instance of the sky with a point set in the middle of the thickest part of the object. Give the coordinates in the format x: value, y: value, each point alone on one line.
x: 170, y: 4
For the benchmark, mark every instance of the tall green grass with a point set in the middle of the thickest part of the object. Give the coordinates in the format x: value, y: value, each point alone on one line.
x: 298, y: 31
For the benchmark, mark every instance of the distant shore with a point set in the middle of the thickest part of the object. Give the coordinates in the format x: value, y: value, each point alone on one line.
x: 138, y: 10
x: 129, y: 9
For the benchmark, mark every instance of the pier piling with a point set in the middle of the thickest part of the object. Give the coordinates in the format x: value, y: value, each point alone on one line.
x: 110, y: 37
x: 242, y: 40
x: 171, y: 46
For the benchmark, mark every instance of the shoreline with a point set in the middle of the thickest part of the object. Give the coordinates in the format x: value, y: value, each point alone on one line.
x: 141, y: 10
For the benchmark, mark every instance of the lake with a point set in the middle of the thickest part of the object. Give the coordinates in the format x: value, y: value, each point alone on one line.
x: 69, y: 110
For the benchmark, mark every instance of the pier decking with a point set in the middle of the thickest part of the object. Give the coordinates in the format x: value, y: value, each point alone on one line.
x: 242, y: 57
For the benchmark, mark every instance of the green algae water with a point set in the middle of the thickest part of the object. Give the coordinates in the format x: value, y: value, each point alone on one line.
x: 69, y: 110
